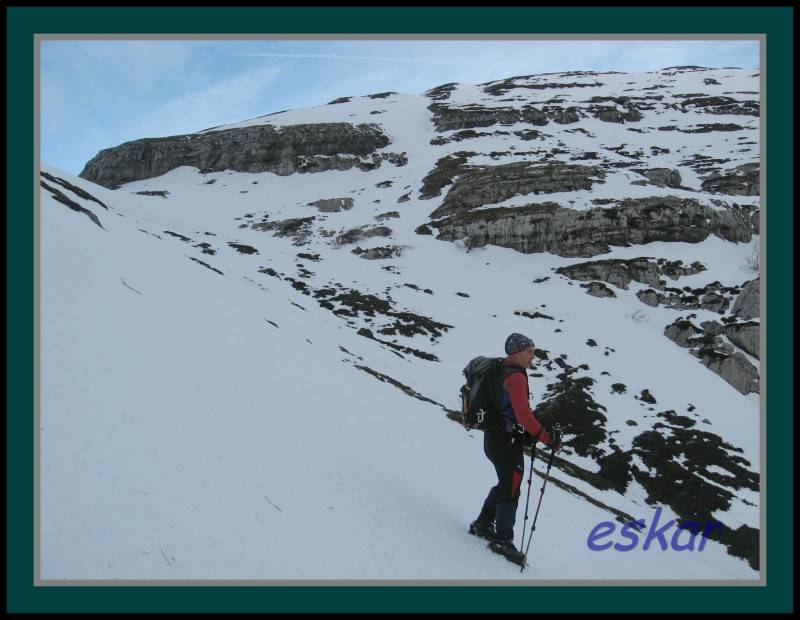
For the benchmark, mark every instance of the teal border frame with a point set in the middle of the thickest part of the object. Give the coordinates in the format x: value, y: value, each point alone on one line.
x: 21, y: 26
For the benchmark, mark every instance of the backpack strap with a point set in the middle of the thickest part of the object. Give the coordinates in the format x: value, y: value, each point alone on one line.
x: 504, y: 372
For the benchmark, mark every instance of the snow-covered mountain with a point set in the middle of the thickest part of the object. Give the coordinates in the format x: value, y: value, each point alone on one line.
x: 252, y: 337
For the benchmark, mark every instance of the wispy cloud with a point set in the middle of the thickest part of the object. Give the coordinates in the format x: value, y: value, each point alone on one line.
x: 407, y: 59
x: 227, y: 101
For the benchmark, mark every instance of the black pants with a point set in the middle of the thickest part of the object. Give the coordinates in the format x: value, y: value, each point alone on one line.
x: 500, y: 505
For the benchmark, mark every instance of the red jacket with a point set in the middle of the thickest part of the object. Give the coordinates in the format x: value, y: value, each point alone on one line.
x: 516, y: 385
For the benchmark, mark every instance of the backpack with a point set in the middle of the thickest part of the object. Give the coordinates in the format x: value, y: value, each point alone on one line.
x: 478, y: 406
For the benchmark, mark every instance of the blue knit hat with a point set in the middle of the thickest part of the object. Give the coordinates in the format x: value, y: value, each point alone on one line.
x: 516, y: 343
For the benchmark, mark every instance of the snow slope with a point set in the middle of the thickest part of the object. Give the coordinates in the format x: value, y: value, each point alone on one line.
x: 214, y: 421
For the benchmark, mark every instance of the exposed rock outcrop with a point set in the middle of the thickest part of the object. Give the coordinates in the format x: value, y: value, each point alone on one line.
x: 714, y: 297
x: 620, y: 272
x: 713, y: 328
x: 441, y: 93
x: 387, y: 251
x: 715, y: 354
x: 501, y: 87
x: 332, y: 205
x: 353, y: 235
x: 598, y: 289
x: 298, y: 228
x: 259, y: 148
x: 742, y: 180
x: 662, y: 176
x: 745, y: 336
x: 734, y: 368
x: 467, y: 134
x: 448, y: 118
x: 746, y: 305
x: 490, y: 185
x: 681, y: 332
x: 617, y: 272
x: 548, y: 227
x: 611, y: 114
x: 721, y: 105
x: 443, y: 173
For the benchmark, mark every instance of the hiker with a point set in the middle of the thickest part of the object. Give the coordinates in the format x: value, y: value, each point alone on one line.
x: 503, y: 443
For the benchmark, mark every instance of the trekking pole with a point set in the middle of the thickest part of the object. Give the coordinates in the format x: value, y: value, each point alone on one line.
x: 528, y: 498
x: 556, y: 438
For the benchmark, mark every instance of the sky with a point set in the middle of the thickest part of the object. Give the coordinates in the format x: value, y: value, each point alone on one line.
x: 96, y: 94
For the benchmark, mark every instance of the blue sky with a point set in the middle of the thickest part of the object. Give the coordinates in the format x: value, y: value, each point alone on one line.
x: 98, y: 94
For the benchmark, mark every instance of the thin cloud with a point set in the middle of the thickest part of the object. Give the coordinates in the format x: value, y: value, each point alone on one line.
x: 347, y: 57
x: 225, y: 102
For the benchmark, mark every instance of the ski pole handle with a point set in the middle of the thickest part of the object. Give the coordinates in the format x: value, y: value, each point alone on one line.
x: 555, y: 438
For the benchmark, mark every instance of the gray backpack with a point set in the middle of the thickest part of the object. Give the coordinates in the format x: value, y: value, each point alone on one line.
x: 478, y: 407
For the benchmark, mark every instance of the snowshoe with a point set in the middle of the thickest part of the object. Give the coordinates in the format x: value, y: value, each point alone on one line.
x: 482, y: 529
x: 506, y: 548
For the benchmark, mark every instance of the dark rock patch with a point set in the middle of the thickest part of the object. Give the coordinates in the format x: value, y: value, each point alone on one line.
x: 441, y: 93
x: 647, y: 397
x: 443, y: 173
x: 683, y: 486
x: 379, y: 253
x: 408, y: 390
x: 243, y: 249
x: 415, y: 352
x: 179, y: 236
x: 569, y: 404
x: 206, y: 248
x: 534, y: 315
x: 503, y: 86
x: 598, y: 289
x: 297, y: 228
x: 466, y: 134
x: 80, y: 193
x: 59, y: 196
x: 206, y: 265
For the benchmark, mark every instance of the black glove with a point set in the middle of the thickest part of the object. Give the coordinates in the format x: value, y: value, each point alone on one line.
x: 555, y: 440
